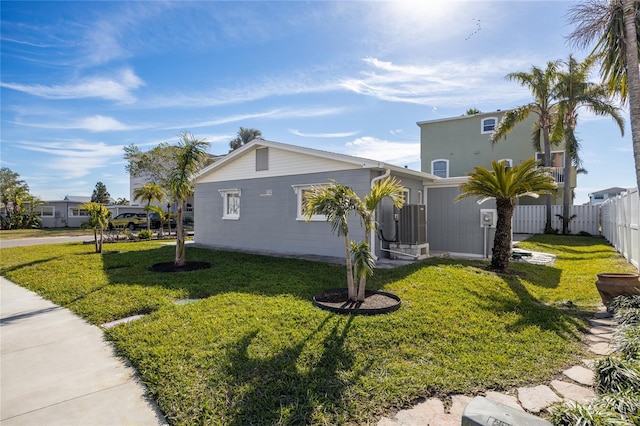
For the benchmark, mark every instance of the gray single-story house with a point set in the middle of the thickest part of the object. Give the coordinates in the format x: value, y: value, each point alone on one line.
x: 251, y: 200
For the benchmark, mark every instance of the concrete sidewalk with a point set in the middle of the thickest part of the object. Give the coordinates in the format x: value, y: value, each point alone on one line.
x: 57, y: 369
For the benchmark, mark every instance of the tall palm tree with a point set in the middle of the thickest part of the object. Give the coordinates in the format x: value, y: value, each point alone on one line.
x: 615, y: 26
x: 542, y: 84
x: 244, y: 137
x: 149, y: 192
x: 505, y: 184
x: 192, y: 154
x: 575, y: 91
x: 386, y: 188
x: 336, y: 202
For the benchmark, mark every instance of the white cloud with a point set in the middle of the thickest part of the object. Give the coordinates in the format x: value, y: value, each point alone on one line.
x: 96, y: 123
x: 323, y: 135
x: 76, y: 158
x: 396, y: 153
x: 118, y: 87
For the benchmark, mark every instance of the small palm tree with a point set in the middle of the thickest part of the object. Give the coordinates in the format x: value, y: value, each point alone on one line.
x: 149, y: 192
x: 542, y: 84
x: 192, y: 154
x: 336, y: 202
x: 98, y: 221
x: 387, y: 188
x: 575, y: 91
x: 163, y: 216
x: 505, y: 184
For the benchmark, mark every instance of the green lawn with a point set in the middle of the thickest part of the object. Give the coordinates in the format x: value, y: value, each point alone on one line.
x: 255, y: 350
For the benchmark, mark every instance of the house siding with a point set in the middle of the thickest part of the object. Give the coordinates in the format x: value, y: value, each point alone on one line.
x: 268, y: 210
x: 281, y: 163
x: 455, y: 227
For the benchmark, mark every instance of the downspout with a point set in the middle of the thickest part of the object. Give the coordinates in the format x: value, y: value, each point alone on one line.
x: 372, y: 239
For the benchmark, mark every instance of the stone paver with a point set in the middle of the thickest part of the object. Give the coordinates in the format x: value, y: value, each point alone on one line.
x: 445, y: 420
x: 422, y: 413
x: 386, y: 421
x: 602, y: 322
x: 601, y: 348
x: 505, y: 399
x: 458, y: 403
x: 601, y: 330
x: 580, y: 374
x: 598, y: 338
x: 573, y: 392
x: 536, y: 399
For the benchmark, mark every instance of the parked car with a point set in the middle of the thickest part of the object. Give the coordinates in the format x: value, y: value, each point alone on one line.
x: 129, y: 220
x: 155, y: 221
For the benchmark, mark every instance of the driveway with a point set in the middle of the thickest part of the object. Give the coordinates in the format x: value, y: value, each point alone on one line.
x: 43, y: 240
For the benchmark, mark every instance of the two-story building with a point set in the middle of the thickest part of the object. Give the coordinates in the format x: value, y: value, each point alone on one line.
x: 452, y: 147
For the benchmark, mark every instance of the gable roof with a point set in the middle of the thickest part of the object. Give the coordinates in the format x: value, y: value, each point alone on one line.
x: 612, y: 190
x: 357, y: 162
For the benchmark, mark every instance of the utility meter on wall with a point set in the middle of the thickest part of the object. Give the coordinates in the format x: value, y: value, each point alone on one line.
x: 488, y: 218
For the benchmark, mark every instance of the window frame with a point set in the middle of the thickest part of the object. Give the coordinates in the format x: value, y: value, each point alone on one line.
x: 225, y: 193
x: 445, y: 161
x: 483, y: 127
x: 299, y: 191
x: 508, y: 161
x: 78, y: 210
x: 43, y: 208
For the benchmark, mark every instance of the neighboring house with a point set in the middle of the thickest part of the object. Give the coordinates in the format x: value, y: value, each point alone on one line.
x: 251, y: 200
x: 67, y: 212
x: 599, y: 197
x: 452, y: 147
x: 139, y: 181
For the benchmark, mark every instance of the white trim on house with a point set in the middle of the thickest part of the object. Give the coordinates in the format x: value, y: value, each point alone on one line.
x: 440, y: 160
x: 299, y: 191
x: 483, y: 129
x: 287, y: 160
x: 230, y: 203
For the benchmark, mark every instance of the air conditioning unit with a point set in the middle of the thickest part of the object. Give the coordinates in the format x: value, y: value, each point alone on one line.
x: 412, y: 224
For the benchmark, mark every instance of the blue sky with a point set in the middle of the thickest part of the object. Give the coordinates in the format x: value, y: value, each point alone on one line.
x: 80, y: 80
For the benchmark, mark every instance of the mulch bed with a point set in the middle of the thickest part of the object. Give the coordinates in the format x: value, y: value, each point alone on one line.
x: 171, y: 267
x: 375, y: 302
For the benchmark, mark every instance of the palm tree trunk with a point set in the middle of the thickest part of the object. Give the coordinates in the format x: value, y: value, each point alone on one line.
x: 633, y: 79
x: 502, y: 239
x: 148, y: 219
x: 547, y: 163
x: 95, y: 240
x: 566, y: 195
x: 351, y: 288
x: 181, y: 259
x: 363, y: 279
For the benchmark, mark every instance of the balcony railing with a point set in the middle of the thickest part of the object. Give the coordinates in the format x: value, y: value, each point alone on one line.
x: 558, y: 174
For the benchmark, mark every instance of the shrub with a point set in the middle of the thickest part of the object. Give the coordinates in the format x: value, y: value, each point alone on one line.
x: 585, y: 415
x: 145, y: 234
x: 626, y: 342
x: 615, y: 374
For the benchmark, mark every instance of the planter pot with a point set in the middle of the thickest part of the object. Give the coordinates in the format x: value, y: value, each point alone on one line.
x: 611, y: 285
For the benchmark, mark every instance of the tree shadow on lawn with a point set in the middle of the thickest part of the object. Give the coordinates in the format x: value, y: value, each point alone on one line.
x: 231, y: 271
x: 566, y: 322
x: 276, y: 390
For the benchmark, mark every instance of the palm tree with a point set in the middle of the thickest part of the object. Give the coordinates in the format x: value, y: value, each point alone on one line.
x: 542, y: 85
x: 574, y: 92
x: 244, y: 137
x: 149, y: 192
x: 391, y: 188
x: 162, y: 216
x: 505, y: 184
x: 191, y: 156
x: 98, y: 221
x: 615, y: 27
x: 336, y: 202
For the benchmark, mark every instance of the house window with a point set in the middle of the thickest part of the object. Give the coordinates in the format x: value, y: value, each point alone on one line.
x: 77, y: 212
x: 230, y: 203
x: 47, y: 211
x: 262, y: 159
x: 488, y: 124
x: 301, y: 192
x: 407, y: 195
x: 557, y: 158
x: 440, y: 168
x: 598, y: 196
x: 188, y: 208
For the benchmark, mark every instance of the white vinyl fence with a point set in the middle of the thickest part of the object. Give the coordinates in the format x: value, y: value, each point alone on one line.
x: 620, y: 217
x: 531, y: 219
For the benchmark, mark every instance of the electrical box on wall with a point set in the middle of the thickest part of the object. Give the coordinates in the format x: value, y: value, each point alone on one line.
x: 488, y: 218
